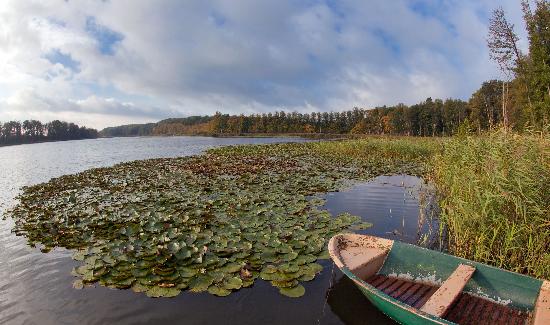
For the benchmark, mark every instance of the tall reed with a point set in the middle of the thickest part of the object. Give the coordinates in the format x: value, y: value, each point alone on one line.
x: 495, y: 204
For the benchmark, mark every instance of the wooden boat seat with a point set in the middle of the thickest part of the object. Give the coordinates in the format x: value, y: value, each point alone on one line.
x: 445, y: 296
x: 363, y: 256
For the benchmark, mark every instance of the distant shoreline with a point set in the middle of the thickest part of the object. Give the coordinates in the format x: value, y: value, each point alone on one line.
x: 244, y: 135
x: 43, y: 141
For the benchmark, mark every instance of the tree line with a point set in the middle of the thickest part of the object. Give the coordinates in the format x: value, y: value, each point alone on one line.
x: 429, y: 118
x: 31, y: 131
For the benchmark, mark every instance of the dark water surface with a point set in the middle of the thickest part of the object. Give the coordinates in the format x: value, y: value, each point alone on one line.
x: 36, y: 288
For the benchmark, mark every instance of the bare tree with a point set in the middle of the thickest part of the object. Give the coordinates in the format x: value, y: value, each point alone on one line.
x: 503, y: 49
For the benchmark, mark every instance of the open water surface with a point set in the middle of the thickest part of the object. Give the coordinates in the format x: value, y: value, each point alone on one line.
x: 36, y: 288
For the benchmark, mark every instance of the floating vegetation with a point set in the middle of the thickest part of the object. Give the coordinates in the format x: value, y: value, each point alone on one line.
x: 211, y: 223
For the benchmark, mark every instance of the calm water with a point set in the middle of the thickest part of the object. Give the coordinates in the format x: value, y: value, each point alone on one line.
x: 36, y: 288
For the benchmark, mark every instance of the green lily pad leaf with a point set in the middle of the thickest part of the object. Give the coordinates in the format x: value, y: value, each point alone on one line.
x: 270, y: 269
x: 218, y: 291
x: 232, y: 267
x: 285, y: 283
x: 200, y: 283
x: 233, y: 283
x: 293, y: 292
x: 362, y: 226
x: 187, y: 272
x: 324, y: 255
x: 156, y: 292
x: 80, y: 254
x: 289, y: 268
x: 138, y: 287
x: 247, y: 283
x: 290, y: 256
x: 315, y: 267
x: 307, y: 277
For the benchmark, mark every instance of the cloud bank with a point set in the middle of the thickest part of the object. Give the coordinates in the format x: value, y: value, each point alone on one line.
x: 102, y: 63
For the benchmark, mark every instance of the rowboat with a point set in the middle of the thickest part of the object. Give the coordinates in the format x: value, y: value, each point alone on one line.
x: 414, y: 285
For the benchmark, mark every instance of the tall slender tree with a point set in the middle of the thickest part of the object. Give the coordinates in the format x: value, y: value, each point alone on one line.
x: 503, y: 49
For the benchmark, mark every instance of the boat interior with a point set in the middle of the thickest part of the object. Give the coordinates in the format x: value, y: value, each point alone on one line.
x: 466, y: 293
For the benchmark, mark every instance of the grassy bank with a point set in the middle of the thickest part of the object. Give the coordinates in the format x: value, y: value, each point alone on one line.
x: 495, y: 200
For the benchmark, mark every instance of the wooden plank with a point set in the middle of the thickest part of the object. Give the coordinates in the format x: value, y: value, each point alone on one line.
x: 487, y: 316
x: 418, y: 295
x: 412, y: 290
x: 394, y: 286
x: 372, y: 278
x: 444, y: 297
x: 499, y: 315
x: 425, y: 297
x: 542, y: 306
x: 379, y: 280
x: 454, y: 313
x: 386, y: 284
x: 472, y: 303
x: 402, y: 289
x: 475, y: 315
x: 516, y: 318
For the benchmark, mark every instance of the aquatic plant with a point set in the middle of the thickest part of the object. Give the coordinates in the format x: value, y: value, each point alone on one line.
x: 495, y: 200
x: 215, y: 222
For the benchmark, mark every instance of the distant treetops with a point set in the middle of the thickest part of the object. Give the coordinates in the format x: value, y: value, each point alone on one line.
x: 31, y: 131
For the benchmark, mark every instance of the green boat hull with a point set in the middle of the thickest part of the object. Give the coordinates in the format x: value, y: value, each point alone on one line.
x: 392, y: 308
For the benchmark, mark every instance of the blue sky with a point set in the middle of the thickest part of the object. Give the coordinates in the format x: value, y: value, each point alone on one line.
x: 103, y: 63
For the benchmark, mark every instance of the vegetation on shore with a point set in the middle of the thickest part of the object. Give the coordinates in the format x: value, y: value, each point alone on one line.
x: 32, y: 131
x: 495, y: 205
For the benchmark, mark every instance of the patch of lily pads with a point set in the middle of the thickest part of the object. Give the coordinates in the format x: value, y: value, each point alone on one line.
x: 212, y: 223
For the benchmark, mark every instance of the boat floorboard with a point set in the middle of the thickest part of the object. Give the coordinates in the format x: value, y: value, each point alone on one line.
x: 467, y: 309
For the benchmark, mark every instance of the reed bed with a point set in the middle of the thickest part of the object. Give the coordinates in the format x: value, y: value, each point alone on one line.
x: 495, y: 199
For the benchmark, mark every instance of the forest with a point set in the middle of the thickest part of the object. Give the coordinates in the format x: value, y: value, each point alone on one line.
x: 32, y: 131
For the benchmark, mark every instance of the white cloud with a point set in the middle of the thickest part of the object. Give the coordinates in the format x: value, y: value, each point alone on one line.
x: 179, y: 58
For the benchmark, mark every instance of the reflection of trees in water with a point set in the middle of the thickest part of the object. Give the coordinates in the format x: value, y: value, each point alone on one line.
x: 348, y: 303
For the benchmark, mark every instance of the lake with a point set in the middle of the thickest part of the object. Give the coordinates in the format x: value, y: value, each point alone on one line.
x: 36, y: 288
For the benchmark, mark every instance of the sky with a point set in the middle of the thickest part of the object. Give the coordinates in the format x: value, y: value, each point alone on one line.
x: 106, y: 63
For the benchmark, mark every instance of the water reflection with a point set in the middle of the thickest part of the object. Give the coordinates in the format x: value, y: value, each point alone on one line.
x: 349, y: 304
x: 401, y: 207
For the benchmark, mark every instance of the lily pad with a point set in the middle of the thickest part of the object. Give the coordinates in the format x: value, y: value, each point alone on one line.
x: 293, y: 292
x: 156, y: 292
x: 219, y: 291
